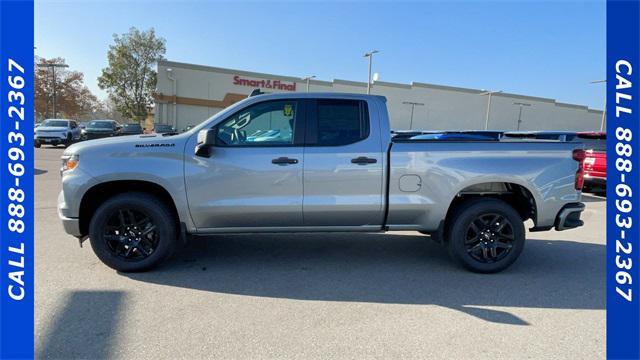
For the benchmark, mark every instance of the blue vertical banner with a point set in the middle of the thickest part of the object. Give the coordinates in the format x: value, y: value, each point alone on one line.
x: 16, y: 179
x: 623, y: 180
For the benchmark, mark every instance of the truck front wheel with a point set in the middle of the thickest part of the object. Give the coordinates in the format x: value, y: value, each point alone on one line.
x: 485, y: 235
x: 133, y: 232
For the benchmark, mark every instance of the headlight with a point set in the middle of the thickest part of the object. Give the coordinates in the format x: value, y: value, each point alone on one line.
x: 69, y: 162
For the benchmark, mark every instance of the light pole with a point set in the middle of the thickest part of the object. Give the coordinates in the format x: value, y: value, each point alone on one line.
x: 520, y: 112
x: 308, y: 79
x: 486, y: 119
x: 413, y: 105
x: 604, y: 111
x: 53, y: 70
x: 370, y: 56
x: 171, y: 77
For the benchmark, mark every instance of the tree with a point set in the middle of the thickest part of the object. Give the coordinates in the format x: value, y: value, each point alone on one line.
x: 107, y: 110
x: 73, y: 98
x: 129, y: 78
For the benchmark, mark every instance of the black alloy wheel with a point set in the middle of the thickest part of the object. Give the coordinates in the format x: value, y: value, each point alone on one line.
x: 485, y: 235
x: 489, y: 238
x: 131, y: 234
x: 133, y: 231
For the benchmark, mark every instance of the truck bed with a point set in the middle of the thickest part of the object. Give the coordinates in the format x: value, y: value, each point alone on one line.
x: 425, y: 174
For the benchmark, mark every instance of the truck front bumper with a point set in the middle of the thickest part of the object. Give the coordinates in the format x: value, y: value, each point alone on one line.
x: 71, y: 225
x: 569, y: 217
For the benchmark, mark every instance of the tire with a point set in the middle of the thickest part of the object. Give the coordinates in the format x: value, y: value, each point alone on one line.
x: 36, y: 144
x: 485, y: 235
x: 123, y: 252
x: 69, y: 141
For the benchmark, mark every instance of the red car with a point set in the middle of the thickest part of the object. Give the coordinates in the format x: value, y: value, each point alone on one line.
x: 595, y: 162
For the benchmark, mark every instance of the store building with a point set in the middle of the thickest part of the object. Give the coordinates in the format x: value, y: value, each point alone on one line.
x: 187, y: 94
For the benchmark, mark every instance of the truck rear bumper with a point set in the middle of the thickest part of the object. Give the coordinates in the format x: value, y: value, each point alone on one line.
x: 569, y: 217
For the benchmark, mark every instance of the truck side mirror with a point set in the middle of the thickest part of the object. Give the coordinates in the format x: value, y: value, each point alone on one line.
x: 206, y: 141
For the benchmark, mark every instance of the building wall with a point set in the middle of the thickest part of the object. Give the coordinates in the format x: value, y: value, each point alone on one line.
x: 202, y: 91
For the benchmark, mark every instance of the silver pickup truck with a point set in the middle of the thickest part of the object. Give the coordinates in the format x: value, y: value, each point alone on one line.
x: 303, y: 162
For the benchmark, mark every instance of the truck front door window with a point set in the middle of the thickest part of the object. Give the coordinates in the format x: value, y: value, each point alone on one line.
x: 267, y: 123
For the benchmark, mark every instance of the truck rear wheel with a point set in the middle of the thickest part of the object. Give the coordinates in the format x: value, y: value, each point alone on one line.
x: 485, y: 235
x: 133, y: 232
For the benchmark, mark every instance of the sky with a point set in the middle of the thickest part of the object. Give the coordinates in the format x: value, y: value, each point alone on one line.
x: 547, y: 49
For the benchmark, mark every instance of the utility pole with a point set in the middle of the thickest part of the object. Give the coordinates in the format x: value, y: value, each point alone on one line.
x: 604, y: 111
x: 308, y: 79
x: 413, y: 105
x: 53, y: 70
x: 520, y: 112
x: 486, y: 119
x: 370, y: 56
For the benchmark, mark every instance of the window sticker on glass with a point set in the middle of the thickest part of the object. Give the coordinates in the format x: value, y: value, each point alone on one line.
x: 288, y: 110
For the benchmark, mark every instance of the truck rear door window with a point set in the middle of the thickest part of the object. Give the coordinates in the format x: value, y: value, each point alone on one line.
x: 341, y: 122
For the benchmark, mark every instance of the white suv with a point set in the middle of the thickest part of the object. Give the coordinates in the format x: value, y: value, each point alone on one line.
x: 56, y: 131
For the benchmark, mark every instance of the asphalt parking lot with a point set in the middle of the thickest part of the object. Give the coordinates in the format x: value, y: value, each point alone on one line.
x: 318, y: 296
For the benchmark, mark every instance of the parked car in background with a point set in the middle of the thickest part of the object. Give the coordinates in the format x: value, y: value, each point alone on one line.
x: 131, y: 129
x: 96, y: 129
x: 595, y: 162
x: 55, y: 132
x: 164, y: 129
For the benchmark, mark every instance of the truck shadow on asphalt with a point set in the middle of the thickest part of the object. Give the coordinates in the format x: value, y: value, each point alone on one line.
x: 388, y: 268
x: 66, y: 338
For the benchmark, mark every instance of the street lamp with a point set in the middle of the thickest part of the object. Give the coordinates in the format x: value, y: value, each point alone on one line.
x: 308, y: 79
x: 53, y: 70
x: 370, y: 56
x: 520, y: 112
x: 174, y: 84
x: 413, y: 105
x: 604, y: 111
x: 488, y: 92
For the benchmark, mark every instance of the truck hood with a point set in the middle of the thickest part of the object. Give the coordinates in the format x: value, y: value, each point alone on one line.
x: 133, y: 143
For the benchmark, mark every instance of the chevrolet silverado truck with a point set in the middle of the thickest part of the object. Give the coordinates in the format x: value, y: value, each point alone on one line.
x: 304, y: 162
